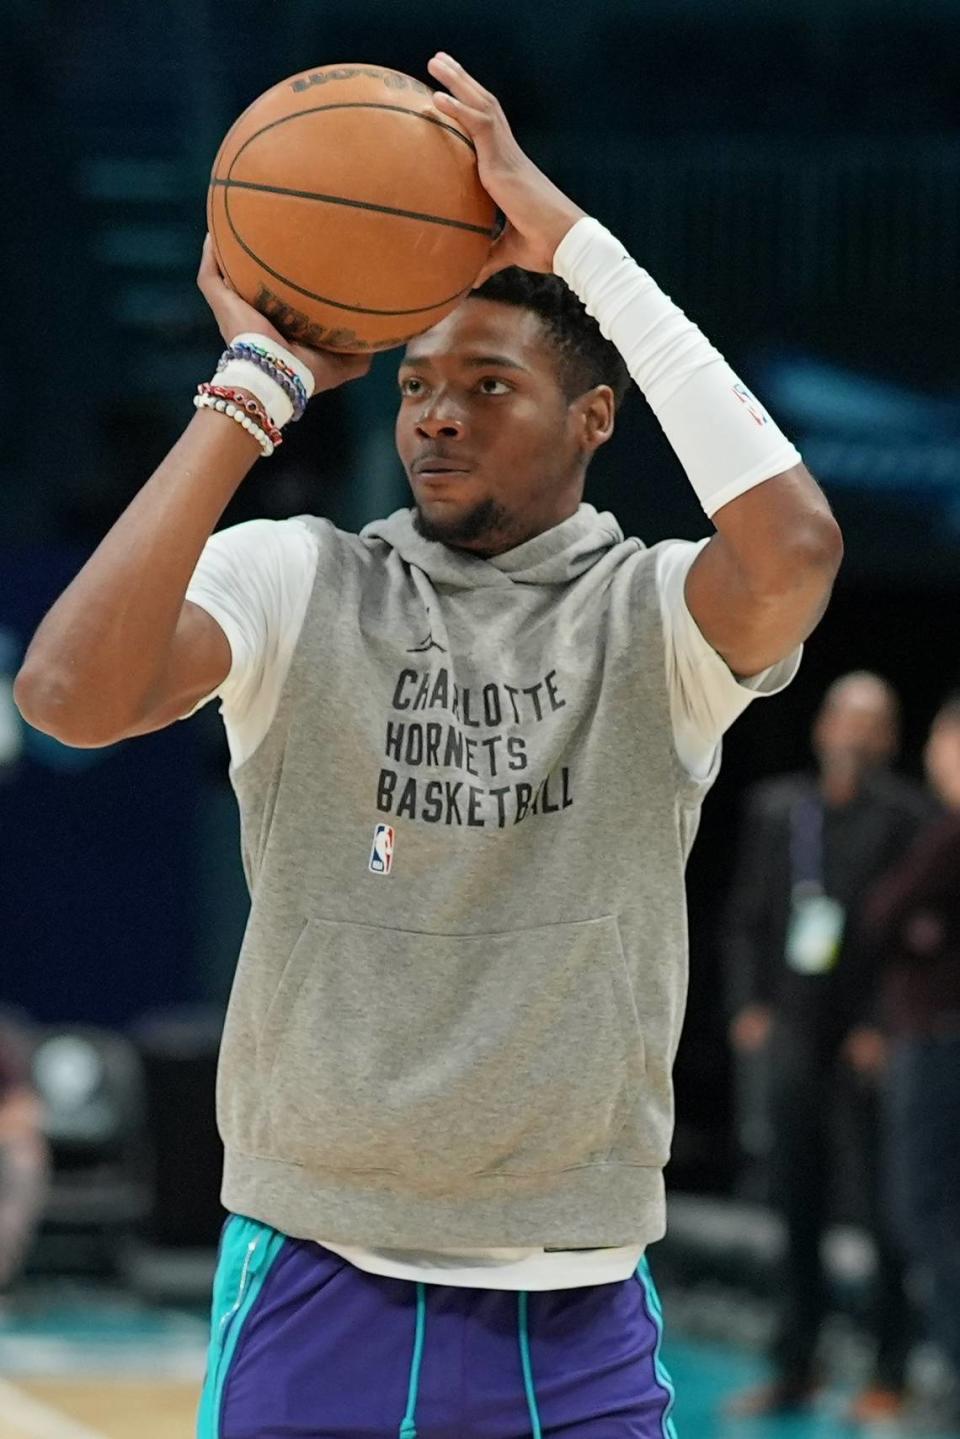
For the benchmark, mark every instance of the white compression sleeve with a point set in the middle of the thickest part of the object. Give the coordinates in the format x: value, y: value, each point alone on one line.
x: 723, y: 437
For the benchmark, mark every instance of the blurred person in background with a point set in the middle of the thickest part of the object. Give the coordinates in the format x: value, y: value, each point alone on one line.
x: 812, y: 846
x: 912, y: 934
x: 23, y: 1154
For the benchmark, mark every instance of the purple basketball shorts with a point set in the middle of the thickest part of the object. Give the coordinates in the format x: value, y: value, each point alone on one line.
x: 307, y: 1346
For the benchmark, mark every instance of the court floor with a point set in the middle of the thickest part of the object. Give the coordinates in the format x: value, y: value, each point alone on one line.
x: 89, y: 1364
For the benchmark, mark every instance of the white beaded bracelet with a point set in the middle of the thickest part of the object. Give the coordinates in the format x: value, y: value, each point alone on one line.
x: 224, y: 407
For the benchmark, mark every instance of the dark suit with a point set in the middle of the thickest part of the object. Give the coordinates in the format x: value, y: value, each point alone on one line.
x: 849, y: 848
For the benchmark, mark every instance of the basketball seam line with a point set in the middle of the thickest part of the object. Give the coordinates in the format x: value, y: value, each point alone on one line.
x: 350, y: 105
x: 356, y: 205
x: 325, y: 299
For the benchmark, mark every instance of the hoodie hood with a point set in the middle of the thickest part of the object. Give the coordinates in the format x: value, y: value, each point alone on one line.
x: 552, y: 558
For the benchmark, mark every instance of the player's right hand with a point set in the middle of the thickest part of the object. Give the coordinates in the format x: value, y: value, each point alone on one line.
x: 236, y: 317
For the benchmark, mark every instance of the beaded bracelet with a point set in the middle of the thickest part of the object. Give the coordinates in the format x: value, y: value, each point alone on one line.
x: 244, y: 375
x: 266, y: 366
x: 272, y: 365
x: 253, y: 407
x: 281, y: 372
x: 277, y: 351
x: 224, y: 407
x: 278, y: 361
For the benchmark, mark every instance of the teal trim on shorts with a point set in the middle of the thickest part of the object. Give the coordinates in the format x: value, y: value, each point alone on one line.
x: 408, y: 1425
x: 248, y: 1251
x: 537, y: 1432
x: 663, y: 1378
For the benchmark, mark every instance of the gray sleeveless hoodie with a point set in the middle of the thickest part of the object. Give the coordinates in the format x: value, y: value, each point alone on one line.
x: 463, y: 979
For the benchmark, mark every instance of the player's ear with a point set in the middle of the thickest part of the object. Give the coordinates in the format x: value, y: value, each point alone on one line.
x: 596, y: 417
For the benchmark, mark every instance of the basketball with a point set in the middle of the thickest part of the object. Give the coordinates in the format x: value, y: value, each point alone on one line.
x: 348, y: 210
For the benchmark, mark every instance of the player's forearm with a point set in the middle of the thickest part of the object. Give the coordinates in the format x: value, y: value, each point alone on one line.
x: 102, y: 646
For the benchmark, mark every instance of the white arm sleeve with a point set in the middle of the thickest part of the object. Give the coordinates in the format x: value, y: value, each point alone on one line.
x: 721, y: 434
x: 705, y: 695
x: 255, y: 579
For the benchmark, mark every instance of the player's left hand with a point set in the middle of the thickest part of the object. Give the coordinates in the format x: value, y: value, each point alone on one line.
x: 538, y: 214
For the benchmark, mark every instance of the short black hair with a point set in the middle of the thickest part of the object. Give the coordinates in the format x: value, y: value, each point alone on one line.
x: 584, y: 357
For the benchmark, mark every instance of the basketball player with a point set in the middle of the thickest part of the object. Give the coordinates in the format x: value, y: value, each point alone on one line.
x: 445, y: 1085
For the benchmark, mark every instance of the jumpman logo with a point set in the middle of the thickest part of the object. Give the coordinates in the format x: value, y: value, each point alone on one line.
x: 428, y: 644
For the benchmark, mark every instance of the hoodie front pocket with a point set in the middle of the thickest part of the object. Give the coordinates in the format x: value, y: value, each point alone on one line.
x: 440, y: 1057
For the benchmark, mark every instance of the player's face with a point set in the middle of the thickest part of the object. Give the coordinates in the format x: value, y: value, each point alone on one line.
x: 492, y: 448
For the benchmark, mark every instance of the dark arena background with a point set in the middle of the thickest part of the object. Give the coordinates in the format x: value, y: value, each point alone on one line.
x: 790, y: 175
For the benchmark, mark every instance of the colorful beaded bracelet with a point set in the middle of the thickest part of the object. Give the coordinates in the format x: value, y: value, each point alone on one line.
x: 280, y: 353
x: 273, y: 366
x: 289, y: 384
x: 274, y: 359
x: 273, y: 363
x: 294, y: 394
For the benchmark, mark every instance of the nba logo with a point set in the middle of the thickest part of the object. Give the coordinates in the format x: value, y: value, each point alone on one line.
x: 756, y: 410
x: 381, y: 856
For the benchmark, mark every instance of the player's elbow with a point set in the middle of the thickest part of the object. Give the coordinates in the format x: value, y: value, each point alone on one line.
x: 820, y: 559
x: 823, y: 546
x: 805, y: 562
x: 48, y: 704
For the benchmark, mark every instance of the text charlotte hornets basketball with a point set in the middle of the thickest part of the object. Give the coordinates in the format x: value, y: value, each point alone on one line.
x: 490, y: 754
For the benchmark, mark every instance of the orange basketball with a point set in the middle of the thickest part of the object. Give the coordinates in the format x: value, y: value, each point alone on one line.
x: 347, y: 209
